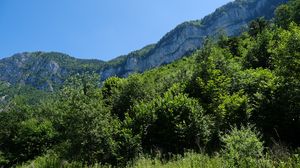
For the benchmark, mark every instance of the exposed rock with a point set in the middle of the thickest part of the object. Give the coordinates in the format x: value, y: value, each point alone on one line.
x: 44, y: 71
x: 189, y: 36
x: 47, y: 71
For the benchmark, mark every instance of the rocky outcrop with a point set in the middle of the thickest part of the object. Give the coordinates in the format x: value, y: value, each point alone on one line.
x: 189, y: 36
x: 47, y: 71
x: 44, y: 71
x: 29, y: 68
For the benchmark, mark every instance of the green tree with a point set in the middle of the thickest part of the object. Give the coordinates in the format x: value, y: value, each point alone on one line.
x: 172, y: 123
x: 258, y: 55
x: 132, y: 91
x: 257, y: 26
x: 287, y: 13
x: 233, y: 109
x: 87, y: 126
x: 23, y: 134
x: 283, y: 16
x: 111, y: 90
x: 33, y: 138
x: 286, y: 53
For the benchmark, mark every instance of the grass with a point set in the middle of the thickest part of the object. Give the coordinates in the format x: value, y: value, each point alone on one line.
x: 189, y: 160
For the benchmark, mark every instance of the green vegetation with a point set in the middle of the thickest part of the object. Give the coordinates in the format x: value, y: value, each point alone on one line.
x: 234, y: 103
x: 137, y: 54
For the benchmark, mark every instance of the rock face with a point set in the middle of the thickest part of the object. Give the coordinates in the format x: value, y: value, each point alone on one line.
x: 33, y: 69
x: 46, y: 71
x: 189, y: 36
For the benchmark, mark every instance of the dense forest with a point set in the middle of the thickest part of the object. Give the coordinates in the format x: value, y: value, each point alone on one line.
x: 233, y: 103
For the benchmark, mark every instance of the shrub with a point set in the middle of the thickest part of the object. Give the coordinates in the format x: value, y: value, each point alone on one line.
x: 242, y: 147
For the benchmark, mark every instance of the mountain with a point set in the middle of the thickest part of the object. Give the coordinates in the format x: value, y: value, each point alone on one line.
x: 46, y: 71
x: 42, y: 70
x: 189, y: 36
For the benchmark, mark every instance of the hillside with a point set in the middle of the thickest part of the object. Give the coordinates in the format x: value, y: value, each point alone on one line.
x: 189, y: 36
x: 233, y: 103
x: 47, y: 71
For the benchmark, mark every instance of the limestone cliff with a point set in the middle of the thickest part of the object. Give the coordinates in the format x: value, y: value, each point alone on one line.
x: 189, y: 36
x: 47, y: 71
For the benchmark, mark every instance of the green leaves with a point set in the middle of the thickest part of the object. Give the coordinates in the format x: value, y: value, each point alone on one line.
x: 234, y: 109
x: 287, y: 13
x: 34, y: 137
x: 87, y: 126
x: 172, y: 123
x: 242, y: 147
x: 285, y: 50
x: 253, y: 78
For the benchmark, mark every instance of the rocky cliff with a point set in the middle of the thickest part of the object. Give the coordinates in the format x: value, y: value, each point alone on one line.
x: 46, y: 71
x: 189, y: 36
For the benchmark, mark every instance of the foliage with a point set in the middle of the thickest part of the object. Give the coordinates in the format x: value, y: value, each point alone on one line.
x: 287, y: 13
x: 24, y: 135
x: 257, y: 26
x: 258, y: 54
x: 172, y: 123
x: 185, y: 105
x: 3, y: 160
x: 87, y: 128
x: 33, y: 137
x: 135, y: 54
x: 242, y: 147
x: 285, y: 50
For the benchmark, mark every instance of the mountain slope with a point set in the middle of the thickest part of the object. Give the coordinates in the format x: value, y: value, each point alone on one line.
x: 46, y: 71
x: 189, y: 36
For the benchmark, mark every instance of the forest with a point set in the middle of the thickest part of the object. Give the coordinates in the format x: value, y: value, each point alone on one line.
x: 233, y: 103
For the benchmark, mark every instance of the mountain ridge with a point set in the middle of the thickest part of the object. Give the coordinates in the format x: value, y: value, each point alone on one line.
x: 46, y: 71
x: 189, y: 36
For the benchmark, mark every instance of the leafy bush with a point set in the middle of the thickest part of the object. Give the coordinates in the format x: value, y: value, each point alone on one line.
x: 242, y: 147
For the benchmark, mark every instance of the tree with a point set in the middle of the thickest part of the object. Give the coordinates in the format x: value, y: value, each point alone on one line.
x: 230, y: 43
x: 287, y: 13
x: 23, y: 134
x: 33, y: 138
x: 233, y: 110
x: 133, y: 90
x: 172, y: 123
x: 111, y: 90
x: 283, y: 16
x: 286, y: 53
x: 257, y: 26
x: 258, y: 54
x: 88, y: 129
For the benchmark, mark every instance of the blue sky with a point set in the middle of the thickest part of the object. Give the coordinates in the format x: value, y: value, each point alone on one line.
x: 101, y: 29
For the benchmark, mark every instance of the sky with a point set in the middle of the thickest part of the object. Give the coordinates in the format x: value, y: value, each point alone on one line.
x: 93, y: 29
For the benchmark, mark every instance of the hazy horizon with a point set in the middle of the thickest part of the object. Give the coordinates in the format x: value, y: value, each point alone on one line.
x: 92, y: 29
